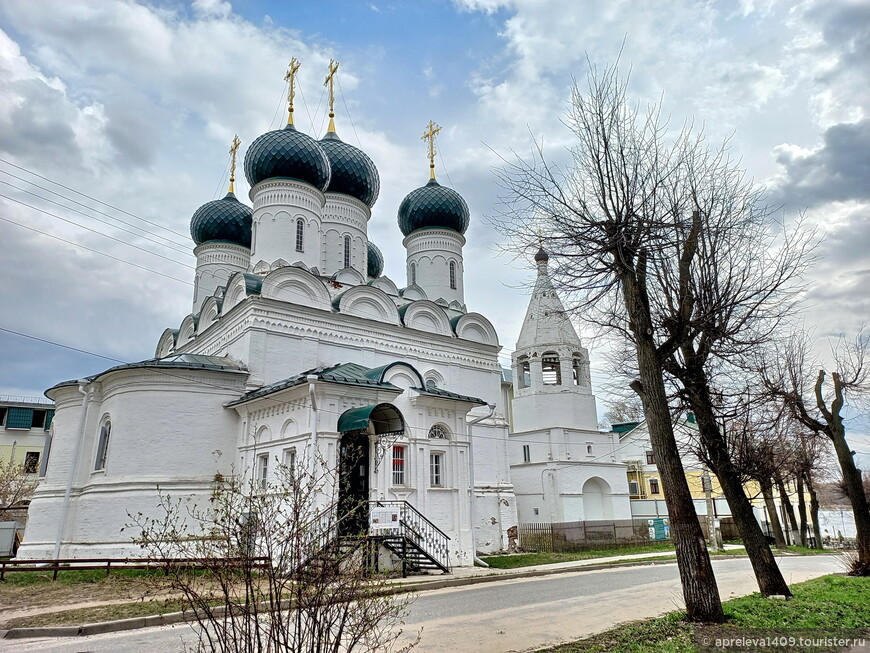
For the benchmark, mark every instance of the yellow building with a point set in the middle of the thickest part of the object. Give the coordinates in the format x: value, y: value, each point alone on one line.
x: 644, y: 482
x: 25, y: 424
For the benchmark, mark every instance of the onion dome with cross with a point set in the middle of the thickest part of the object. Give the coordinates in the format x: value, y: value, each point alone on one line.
x: 226, y: 219
x: 287, y: 153
x: 433, y: 206
x: 353, y: 172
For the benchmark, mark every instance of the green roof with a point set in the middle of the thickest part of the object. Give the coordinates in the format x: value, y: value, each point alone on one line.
x: 624, y: 427
x: 385, y: 418
x: 357, y: 375
x: 344, y: 373
x: 446, y: 394
x: 173, y: 361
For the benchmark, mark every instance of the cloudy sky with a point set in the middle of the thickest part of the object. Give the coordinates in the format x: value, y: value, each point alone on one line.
x: 132, y: 106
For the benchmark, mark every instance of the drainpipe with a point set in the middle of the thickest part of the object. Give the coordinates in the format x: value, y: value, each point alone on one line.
x: 313, y: 418
x: 471, y: 480
x: 73, y: 468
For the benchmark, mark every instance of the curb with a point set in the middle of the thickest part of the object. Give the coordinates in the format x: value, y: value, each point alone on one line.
x: 135, y: 623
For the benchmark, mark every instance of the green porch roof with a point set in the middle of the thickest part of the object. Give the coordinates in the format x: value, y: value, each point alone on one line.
x: 384, y: 417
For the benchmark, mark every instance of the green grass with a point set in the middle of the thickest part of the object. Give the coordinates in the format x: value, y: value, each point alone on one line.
x: 805, y: 550
x: 79, y: 616
x: 839, y: 602
x: 25, y: 578
x: 528, y: 559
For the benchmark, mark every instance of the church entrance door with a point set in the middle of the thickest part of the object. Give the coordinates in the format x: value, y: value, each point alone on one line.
x: 353, y: 490
x: 362, y: 429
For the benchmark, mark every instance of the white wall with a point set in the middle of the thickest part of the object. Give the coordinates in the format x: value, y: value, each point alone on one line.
x: 169, y: 429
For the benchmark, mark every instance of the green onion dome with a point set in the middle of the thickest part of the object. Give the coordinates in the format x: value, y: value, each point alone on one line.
x: 375, y: 261
x: 287, y: 153
x: 226, y: 220
x: 433, y: 206
x: 353, y: 172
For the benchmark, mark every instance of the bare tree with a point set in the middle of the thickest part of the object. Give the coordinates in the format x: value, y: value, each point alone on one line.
x: 787, y: 373
x: 16, y: 489
x: 622, y: 217
x: 743, y: 285
x: 624, y: 410
x: 271, y: 573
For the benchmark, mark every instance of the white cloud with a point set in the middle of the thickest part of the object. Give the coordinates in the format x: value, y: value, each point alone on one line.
x: 136, y: 103
x: 212, y: 8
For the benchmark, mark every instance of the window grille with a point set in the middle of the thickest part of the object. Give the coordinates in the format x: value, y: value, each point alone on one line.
x: 398, y: 465
x: 452, y: 275
x: 438, y: 431
x: 19, y: 418
x: 413, y: 273
x: 347, y: 251
x: 300, y: 235
x: 31, y: 462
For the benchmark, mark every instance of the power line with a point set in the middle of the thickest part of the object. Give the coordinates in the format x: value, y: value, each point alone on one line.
x: 173, y: 246
x: 95, y: 251
x: 57, y: 344
x: 99, y: 233
x: 69, y: 199
x: 111, y: 206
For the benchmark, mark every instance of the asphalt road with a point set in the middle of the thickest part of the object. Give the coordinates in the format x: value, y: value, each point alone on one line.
x: 501, y: 616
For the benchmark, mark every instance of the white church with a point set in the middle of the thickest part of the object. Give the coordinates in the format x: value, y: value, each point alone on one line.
x: 297, y: 345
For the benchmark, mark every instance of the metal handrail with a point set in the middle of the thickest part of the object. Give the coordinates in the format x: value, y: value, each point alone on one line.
x: 418, y: 529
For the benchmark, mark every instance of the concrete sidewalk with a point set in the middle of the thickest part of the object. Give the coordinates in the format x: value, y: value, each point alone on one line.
x: 459, y: 577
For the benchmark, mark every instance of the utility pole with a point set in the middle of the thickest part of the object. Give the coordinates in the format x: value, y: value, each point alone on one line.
x: 713, y: 535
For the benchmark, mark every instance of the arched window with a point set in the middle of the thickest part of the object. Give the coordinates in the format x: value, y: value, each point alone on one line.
x: 551, y: 369
x: 452, y: 275
x: 438, y: 432
x: 103, y: 445
x: 413, y: 273
x: 347, y: 251
x: 524, y: 374
x: 577, y: 370
x: 300, y: 235
x: 431, y: 384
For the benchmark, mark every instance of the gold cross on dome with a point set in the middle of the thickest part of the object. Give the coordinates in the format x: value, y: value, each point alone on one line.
x: 429, y: 135
x: 330, y: 81
x: 234, y: 148
x: 290, y: 77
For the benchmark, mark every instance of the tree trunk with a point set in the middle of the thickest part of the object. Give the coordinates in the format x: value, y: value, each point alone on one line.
x: 700, y: 591
x: 814, y: 511
x: 855, y: 488
x: 767, y: 574
x: 789, y: 510
x: 772, y: 515
x: 802, y: 508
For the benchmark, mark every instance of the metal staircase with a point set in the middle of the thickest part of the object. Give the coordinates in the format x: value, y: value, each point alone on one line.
x: 418, y: 543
